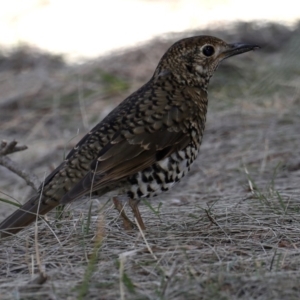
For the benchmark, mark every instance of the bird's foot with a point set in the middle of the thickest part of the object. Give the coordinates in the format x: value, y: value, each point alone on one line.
x: 128, y: 224
x: 120, y: 207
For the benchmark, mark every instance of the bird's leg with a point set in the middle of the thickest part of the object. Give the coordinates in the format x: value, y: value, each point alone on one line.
x: 134, y: 206
x: 119, y: 206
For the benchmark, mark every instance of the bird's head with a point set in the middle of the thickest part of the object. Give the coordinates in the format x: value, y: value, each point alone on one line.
x: 193, y: 60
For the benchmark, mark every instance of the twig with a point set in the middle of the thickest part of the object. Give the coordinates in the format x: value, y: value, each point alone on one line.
x: 249, y: 180
x: 144, y: 238
x: 272, y: 261
x: 211, y: 219
x: 8, y: 148
x: 30, y: 179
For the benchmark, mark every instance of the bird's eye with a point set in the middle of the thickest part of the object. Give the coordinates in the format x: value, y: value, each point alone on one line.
x: 208, y: 50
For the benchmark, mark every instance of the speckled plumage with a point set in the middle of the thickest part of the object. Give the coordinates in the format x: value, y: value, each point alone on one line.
x: 145, y: 144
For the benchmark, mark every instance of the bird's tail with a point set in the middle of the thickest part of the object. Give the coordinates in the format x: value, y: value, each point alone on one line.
x: 24, y: 216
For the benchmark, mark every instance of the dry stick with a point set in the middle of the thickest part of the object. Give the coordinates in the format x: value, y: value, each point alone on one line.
x: 8, y: 148
x: 94, y: 173
x: 249, y: 180
x: 31, y: 179
x: 81, y: 104
x: 42, y: 273
x: 145, y: 240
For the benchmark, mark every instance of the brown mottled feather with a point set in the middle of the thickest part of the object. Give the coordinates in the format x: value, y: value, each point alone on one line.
x: 124, y: 159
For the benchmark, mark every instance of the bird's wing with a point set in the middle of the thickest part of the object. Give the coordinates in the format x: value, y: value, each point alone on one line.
x: 126, y: 155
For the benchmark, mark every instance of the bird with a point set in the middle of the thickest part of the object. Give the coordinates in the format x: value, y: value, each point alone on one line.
x: 144, y: 145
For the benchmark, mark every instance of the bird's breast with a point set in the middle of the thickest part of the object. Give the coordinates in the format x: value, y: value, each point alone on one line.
x: 162, y: 175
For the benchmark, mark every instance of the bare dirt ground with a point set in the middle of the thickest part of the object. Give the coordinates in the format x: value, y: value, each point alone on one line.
x: 229, y: 230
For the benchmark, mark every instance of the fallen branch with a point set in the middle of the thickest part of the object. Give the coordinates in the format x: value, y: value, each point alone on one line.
x: 8, y: 148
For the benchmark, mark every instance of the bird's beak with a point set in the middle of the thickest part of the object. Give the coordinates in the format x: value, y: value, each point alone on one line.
x: 235, y: 49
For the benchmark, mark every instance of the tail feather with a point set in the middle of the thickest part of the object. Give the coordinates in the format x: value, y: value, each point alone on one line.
x: 24, y: 216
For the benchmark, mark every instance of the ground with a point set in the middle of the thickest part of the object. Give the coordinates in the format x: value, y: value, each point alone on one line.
x: 229, y: 230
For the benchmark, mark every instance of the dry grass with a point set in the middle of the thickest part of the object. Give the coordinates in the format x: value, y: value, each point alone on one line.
x: 229, y: 230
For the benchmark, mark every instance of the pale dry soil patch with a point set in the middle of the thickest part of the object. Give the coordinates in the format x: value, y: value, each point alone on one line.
x: 229, y: 230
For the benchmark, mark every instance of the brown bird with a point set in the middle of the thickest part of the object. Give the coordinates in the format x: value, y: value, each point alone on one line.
x: 146, y: 144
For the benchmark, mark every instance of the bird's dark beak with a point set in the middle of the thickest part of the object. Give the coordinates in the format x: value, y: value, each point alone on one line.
x: 235, y: 49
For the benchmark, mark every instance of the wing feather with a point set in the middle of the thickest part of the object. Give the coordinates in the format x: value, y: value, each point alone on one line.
x: 119, y: 160
x: 144, y: 136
